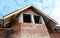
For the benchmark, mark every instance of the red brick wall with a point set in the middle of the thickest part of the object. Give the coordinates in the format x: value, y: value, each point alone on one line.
x: 3, y: 34
x: 33, y: 29
x: 16, y: 27
x: 29, y: 29
x: 54, y: 34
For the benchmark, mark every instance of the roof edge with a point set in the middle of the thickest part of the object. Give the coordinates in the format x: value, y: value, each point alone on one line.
x: 15, y: 12
x: 31, y: 5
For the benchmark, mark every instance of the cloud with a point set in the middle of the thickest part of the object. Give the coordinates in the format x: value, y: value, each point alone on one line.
x: 46, y: 6
x: 8, y: 6
x: 56, y: 12
x: 51, y: 8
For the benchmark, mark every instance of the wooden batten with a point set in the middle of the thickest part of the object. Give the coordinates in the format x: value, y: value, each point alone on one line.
x: 5, y: 29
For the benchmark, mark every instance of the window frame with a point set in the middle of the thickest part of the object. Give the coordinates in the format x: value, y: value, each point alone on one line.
x: 41, y: 20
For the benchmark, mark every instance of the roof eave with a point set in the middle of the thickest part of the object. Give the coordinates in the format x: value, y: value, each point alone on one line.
x: 19, y: 10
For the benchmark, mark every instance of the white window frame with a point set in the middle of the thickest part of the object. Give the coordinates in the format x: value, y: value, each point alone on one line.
x: 41, y: 20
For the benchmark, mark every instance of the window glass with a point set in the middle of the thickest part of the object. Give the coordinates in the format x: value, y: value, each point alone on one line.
x: 27, y: 18
x: 36, y: 18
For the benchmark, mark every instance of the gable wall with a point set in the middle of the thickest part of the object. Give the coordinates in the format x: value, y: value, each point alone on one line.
x: 49, y: 23
x: 29, y: 30
x: 29, y: 11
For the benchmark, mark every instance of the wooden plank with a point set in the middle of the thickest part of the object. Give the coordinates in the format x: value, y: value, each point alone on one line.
x: 6, y: 23
x: 3, y: 31
x: 6, y: 28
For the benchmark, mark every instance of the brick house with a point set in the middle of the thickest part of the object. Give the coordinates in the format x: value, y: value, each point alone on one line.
x: 28, y: 22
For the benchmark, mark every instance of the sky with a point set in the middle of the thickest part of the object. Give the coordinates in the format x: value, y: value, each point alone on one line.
x: 50, y: 7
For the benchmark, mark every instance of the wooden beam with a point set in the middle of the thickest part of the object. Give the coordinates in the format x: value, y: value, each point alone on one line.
x: 5, y: 24
x: 5, y: 29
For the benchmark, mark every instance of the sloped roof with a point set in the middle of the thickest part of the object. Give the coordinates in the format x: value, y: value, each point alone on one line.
x: 22, y: 9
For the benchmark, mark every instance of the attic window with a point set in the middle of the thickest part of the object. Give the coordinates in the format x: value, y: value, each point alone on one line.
x: 36, y: 18
x: 27, y: 18
x: 30, y: 18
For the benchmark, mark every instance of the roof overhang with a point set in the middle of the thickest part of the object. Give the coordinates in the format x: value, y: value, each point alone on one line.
x: 22, y: 9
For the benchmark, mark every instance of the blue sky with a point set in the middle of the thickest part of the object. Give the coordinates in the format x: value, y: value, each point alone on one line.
x: 50, y: 7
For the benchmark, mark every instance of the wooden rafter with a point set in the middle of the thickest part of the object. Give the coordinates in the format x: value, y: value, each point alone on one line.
x: 5, y: 29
